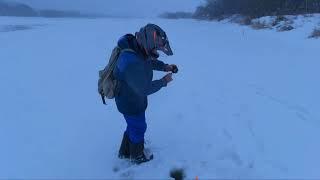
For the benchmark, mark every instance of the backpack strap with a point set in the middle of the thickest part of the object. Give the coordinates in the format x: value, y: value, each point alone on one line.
x: 128, y: 50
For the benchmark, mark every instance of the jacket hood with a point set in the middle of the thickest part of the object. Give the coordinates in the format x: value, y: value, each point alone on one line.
x: 124, y: 41
x: 129, y: 41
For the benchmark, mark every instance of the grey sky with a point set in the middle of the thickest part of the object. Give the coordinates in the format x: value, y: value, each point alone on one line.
x: 118, y: 7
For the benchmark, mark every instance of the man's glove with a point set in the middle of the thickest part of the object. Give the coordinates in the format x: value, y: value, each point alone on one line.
x: 173, y: 68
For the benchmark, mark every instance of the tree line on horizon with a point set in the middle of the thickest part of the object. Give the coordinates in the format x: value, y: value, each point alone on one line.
x: 23, y: 10
x: 255, y: 8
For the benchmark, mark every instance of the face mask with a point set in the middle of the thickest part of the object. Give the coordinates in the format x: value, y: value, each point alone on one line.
x: 154, y: 54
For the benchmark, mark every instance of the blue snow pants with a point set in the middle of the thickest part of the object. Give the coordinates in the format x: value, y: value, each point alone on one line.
x: 136, y: 127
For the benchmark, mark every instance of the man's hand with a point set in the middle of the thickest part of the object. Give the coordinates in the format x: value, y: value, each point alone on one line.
x: 168, y: 78
x: 173, y: 68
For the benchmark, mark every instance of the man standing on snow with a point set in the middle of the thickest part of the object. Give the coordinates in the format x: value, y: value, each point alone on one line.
x: 134, y: 71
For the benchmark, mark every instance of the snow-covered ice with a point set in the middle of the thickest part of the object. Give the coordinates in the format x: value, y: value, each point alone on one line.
x: 245, y: 103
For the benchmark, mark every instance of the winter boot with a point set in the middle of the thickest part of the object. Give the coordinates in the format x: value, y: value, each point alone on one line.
x: 137, y: 154
x: 124, y: 152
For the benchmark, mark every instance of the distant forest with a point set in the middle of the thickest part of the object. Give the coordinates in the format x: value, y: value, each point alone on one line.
x: 256, y: 8
x: 176, y: 15
x: 23, y: 10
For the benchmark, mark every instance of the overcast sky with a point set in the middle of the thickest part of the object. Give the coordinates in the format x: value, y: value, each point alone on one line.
x: 118, y: 7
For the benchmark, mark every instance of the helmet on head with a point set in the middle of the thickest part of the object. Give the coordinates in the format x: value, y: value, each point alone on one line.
x: 152, y: 39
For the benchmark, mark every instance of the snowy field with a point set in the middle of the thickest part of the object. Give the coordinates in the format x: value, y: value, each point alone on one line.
x: 245, y: 103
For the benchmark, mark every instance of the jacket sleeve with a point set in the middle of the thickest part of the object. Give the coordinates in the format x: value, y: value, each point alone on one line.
x: 156, y: 86
x: 136, y: 78
x: 158, y: 65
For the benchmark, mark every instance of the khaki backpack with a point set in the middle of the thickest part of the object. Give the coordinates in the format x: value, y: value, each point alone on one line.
x: 107, y: 83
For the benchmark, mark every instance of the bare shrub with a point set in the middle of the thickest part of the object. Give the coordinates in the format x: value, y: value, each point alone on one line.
x: 315, y: 33
x: 286, y: 27
x: 279, y: 19
x: 259, y: 25
x: 246, y: 21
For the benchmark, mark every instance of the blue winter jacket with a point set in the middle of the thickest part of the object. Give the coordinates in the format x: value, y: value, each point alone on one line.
x: 135, y: 73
